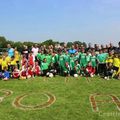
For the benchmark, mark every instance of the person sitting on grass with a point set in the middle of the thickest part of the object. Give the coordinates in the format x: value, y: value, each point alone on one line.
x: 30, y: 72
x: 37, y: 69
x: 44, y: 67
x: 23, y: 72
x: 16, y: 72
x: 52, y: 69
x: 109, y: 71
x: 77, y: 68
x: 6, y: 74
x: 90, y: 71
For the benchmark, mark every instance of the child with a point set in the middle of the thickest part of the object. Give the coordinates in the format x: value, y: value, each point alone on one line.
x: 30, y: 72
x: 37, y: 70
x: 31, y: 59
x: 93, y: 60
x: 66, y: 69
x: 77, y: 67
x: 12, y: 63
x: 4, y: 63
x: 16, y: 72
x: 23, y: 61
x: 52, y: 69
x: 72, y: 65
x: 6, y: 74
x: 90, y: 71
x: 23, y: 72
x: 109, y: 71
x: 116, y: 64
x: 44, y: 67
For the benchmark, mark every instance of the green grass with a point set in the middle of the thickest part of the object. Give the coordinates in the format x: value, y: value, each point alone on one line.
x: 72, y: 99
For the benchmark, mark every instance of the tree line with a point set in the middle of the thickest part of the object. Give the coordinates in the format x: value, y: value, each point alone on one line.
x: 19, y: 44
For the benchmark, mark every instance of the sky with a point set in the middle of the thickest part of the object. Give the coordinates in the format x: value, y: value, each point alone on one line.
x: 90, y: 21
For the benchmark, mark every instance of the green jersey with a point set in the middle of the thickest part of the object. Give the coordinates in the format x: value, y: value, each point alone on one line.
x: 61, y: 60
x: 48, y: 58
x: 88, y: 58
x: 53, y: 59
x: 42, y: 57
x: 44, y: 66
x: 67, y: 58
x: 72, y: 63
x: 82, y: 59
x: 78, y: 67
x: 39, y: 56
x: 93, y: 60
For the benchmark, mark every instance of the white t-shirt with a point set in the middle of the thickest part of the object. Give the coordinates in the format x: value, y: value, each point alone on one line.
x: 35, y: 51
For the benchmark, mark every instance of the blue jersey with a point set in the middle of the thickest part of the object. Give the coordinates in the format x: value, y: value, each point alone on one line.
x: 6, y: 74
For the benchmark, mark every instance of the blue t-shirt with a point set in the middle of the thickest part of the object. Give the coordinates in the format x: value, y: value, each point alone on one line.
x: 10, y: 52
x: 72, y: 51
x: 6, y: 74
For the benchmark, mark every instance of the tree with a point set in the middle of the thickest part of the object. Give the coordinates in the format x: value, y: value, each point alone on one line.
x: 2, y: 42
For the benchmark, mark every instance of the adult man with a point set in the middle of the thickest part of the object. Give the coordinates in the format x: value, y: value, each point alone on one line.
x: 10, y: 50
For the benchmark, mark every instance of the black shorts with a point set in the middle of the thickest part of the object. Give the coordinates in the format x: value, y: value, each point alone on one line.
x: 115, y: 68
x: 44, y: 72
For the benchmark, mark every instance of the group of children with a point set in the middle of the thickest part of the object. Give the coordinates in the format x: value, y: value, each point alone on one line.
x: 50, y: 63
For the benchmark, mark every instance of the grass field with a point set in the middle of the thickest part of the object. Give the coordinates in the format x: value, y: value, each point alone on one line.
x: 72, y: 99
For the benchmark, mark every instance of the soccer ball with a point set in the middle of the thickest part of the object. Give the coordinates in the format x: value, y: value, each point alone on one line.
x: 75, y: 75
x: 50, y: 75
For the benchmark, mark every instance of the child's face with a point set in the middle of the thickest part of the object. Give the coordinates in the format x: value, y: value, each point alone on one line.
x: 44, y: 60
x: 76, y: 62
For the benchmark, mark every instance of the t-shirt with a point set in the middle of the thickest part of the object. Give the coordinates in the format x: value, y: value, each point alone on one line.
x: 109, y: 59
x: 13, y: 62
x: 116, y: 62
x: 83, y: 58
x: 72, y: 63
x: 17, y: 56
x: 61, y: 60
x: 10, y: 52
x: 78, y: 68
x: 4, y: 64
x: 35, y: 51
x: 6, y: 74
x: 67, y: 58
x: 44, y: 66
x: 39, y: 56
x: 48, y: 58
x: 93, y: 61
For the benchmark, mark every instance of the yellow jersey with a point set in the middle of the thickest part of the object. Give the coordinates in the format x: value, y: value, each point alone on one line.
x: 17, y: 55
x: 116, y: 62
x: 4, y: 64
x: 13, y: 62
x: 8, y: 59
x: 109, y: 59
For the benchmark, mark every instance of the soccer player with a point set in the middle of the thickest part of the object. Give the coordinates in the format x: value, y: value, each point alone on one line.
x: 4, y: 63
x: 93, y: 61
x: 44, y: 67
x: 16, y: 72
x: 6, y: 74
x: 82, y: 59
x: 37, y: 69
x: 12, y: 63
x: 77, y: 67
x: 116, y: 64
x: 72, y: 65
